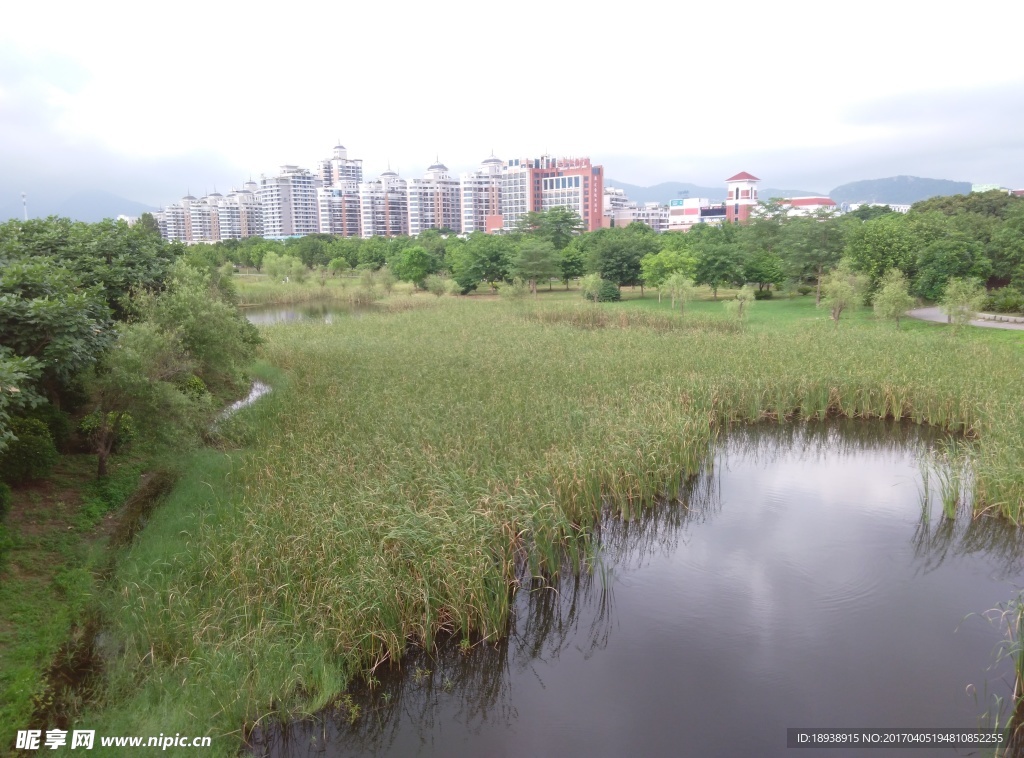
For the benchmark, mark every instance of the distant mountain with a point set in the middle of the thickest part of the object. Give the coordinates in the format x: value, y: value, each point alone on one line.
x: 82, y: 206
x: 662, y: 193
x: 897, y: 189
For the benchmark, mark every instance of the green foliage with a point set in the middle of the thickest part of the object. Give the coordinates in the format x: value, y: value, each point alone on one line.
x: 739, y: 306
x: 6, y: 499
x: 844, y: 288
x: 599, y: 290
x: 435, y: 285
x: 892, y: 299
x: 760, y: 294
x: 535, y: 260
x: 48, y: 314
x: 812, y: 246
x: 949, y: 257
x: 719, y: 257
x: 994, y: 203
x: 284, y: 267
x: 211, y: 331
x: 556, y: 225
x: 680, y: 287
x: 18, y: 380
x: 803, y: 289
x: 887, y: 242
x: 58, y: 423
x: 764, y: 269
x: 961, y: 300
x: 870, y: 212
x: 590, y: 287
x: 517, y: 289
x: 616, y: 253
x: 30, y: 455
x: 656, y: 268
x: 413, y: 264
x: 483, y: 258
x: 1005, y: 300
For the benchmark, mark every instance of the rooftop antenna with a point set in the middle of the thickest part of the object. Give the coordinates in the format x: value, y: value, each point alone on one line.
x: 24, y: 204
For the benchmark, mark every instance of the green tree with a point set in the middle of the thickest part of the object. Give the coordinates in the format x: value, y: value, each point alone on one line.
x: 844, y: 288
x: 811, y: 247
x: 739, y: 306
x: 19, y: 377
x: 137, y: 378
x: 680, y: 287
x: 719, y: 258
x: 483, y: 258
x: 573, y: 263
x: 218, y: 340
x: 890, y: 241
x: 616, y: 253
x: 893, y: 299
x: 47, y: 314
x: 556, y: 225
x: 961, y: 300
x: 413, y: 264
x: 535, y: 260
x: 953, y: 256
x: 764, y: 269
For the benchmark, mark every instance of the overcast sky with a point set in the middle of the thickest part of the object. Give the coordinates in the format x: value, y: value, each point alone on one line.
x: 150, y: 100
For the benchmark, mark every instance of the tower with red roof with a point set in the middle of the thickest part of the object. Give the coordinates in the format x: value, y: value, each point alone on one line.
x: 741, y: 197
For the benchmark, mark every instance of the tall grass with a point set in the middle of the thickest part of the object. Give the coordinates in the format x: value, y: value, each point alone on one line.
x: 422, y: 462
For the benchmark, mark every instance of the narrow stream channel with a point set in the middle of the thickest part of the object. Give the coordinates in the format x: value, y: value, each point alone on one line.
x: 800, y: 583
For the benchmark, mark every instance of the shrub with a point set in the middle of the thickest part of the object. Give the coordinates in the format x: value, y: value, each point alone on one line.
x: 516, y: 290
x: 91, y: 424
x: 193, y: 387
x: 435, y: 285
x: 1005, y: 300
x: 31, y: 455
x: 762, y: 294
x: 57, y: 423
x: 5, y: 501
x: 602, y: 291
x: 803, y: 289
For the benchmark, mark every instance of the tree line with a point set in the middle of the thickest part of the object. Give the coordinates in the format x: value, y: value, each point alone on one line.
x: 109, y: 334
x: 978, y: 236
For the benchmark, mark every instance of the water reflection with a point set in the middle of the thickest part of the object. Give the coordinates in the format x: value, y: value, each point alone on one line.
x: 797, y: 580
x: 283, y: 314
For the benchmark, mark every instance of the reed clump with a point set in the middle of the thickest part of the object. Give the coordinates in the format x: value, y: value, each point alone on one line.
x: 597, y: 317
x: 423, y: 460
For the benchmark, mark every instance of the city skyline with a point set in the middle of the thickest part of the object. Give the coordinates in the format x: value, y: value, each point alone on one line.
x: 812, y: 97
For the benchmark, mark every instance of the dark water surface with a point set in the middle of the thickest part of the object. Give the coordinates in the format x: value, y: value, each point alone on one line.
x: 800, y: 584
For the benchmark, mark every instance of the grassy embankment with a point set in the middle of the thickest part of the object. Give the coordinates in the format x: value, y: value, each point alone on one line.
x: 60, y: 530
x: 410, y: 462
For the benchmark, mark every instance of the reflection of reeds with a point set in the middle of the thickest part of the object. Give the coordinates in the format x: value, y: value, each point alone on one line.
x: 1009, y: 717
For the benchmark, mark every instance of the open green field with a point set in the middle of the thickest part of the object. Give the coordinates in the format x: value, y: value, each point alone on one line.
x: 413, y: 462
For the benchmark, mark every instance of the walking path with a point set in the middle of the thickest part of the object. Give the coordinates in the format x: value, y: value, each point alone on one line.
x: 992, y: 320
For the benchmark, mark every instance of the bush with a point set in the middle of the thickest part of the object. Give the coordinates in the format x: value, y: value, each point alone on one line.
x: 602, y: 291
x: 31, y: 455
x: 517, y: 289
x: 1005, y: 300
x: 91, y: 423
x: 5, y: 501
x: 57, y: 423
x: 762, y: 294
x: 803, y: 289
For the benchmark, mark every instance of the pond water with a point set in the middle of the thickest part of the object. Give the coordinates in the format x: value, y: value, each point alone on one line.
x: 797, y: 582
x: 278, y: 314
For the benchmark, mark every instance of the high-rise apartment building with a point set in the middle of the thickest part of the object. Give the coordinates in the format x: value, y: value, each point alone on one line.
x: 539, y: 184
x: 384, y: 206
x: 435, y: 201
x: 340, y: 168
x: 289, y: 203
x: 481, y: 197
x: 339, y: 209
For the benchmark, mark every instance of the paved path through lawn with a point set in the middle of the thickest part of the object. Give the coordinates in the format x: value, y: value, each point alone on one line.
x: 936, y: 314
